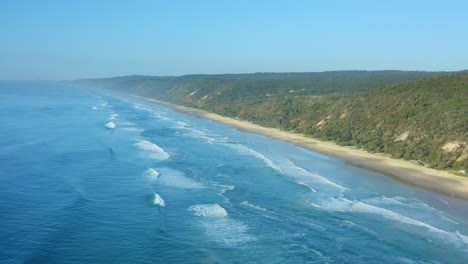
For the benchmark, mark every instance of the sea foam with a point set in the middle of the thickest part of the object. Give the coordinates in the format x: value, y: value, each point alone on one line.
x: 151, y: 174
x: 196, y: 134
x: 246, y: 203
x: 219, y: 227
x: 141, y: 107
x: 133, y: 129
x: 345, y: 205
x: 225, y: 188
x: 110, y: 125
x: 286, y: 166
x: 156, y: 152
x: 241, y: 149
x: 310, y: 180
x: 158, y: 200
x: 208, y: 210
x: 178, y: 179
x: 226, y: 231
x: 307, y: 186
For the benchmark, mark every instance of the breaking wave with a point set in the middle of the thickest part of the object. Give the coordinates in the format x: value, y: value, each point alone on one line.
x: 307, y: 186
x: 286, y: 166
x: 178, y: 179
x: 110, y: 125
x: 158, y: 200
x: 113, y: 116
x: 345, y: 205
x: 156, y: 151
x: 219, y: 227
x: 151, y: 174
x: 141, y: 107
x: 180, y: 123
x: 241, y: 149
x: 309, y: 179
x: 196, y: 134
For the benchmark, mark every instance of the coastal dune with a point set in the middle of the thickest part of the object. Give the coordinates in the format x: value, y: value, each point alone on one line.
x: 403, y: 171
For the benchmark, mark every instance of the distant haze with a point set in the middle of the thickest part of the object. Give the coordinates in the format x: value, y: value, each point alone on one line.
x: 59, y: 40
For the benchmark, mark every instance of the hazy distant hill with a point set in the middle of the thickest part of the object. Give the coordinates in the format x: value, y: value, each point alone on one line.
x: 413, y: 114
x: 255, y: 85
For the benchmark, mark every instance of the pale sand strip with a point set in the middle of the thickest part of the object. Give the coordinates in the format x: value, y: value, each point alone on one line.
x: 403, y: 171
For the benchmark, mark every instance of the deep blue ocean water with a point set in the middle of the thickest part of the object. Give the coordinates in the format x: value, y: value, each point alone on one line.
x: 89, y: 176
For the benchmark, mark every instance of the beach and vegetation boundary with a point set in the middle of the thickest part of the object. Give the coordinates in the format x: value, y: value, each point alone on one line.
x: 405, y: 172
x: 410, y: 126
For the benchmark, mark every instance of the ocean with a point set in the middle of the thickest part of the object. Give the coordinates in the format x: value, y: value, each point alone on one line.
x: 91, y: 176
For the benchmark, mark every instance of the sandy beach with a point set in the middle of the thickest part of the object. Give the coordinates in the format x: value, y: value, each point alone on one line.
x: 405, y: 172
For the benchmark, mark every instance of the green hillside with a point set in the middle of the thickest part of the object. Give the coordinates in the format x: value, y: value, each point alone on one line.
x: 413, y: 115
x: 426, y: 119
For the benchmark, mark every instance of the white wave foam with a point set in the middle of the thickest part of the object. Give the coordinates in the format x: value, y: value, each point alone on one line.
x: 345, y: 205
x: 462, y: 237
x: 196, y: 134
x: 247, y: 151
x: 208, y: 210
x: 178, y: 179
x: 309, y: 178
x: 161, y: 117
x: 226, y: 231
x: 226, y: 187
x: 110, y: 125
x: 141, y: 107
x: 365, y: 229
x: 156, y: 151
x: 182, y: 123
x: 307, y: 186
x: 94, y: 108
x: 113, y: 116
x: 246, y: 203
x: 412, y: 206
x: 151, y: 174
x: 133, y: 129
x: 104, y: 104
x: 158, y: 200
x: 286, y: 166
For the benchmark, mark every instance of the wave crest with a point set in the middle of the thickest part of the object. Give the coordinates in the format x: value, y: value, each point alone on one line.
x: 156, y: 151
x: 110, y: 125
x: 158, y: 200
x: 151, y: 174
x: 248, y: 151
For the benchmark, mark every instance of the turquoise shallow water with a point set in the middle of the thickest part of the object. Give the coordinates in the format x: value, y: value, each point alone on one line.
x: 95, y: 177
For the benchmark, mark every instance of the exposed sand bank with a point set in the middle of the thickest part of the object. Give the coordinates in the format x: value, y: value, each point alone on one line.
x: 400, y: 170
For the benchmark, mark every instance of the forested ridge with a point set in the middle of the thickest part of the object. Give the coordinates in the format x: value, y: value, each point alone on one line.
x: 410, y: 115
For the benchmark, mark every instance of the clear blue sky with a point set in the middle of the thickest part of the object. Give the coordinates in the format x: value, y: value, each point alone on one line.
x: 81, y: 39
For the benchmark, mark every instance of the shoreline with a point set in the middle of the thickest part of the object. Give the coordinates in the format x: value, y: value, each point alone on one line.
x: 403, y: 171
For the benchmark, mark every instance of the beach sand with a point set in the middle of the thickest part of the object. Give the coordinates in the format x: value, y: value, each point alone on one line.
x: 403, y: 171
